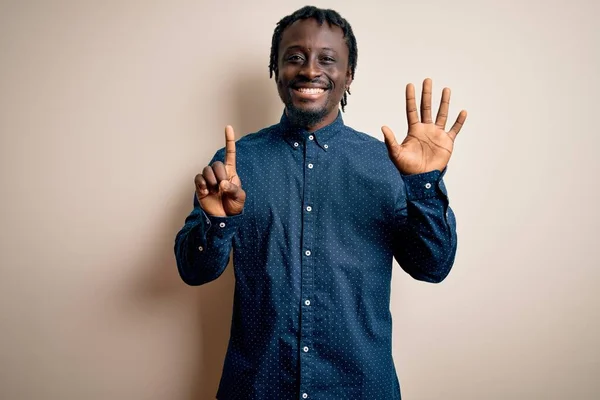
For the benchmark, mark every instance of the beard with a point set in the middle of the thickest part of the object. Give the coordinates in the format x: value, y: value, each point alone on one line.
x: 304, y: 118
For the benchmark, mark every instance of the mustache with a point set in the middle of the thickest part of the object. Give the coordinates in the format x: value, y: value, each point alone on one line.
x: 317, y: 82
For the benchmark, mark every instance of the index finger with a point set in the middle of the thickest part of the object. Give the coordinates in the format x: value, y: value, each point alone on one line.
x: 229, y: 147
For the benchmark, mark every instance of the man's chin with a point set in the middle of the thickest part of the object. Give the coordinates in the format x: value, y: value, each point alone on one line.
x: 306, y: 117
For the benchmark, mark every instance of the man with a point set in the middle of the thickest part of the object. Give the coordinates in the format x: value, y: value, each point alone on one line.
x: 315, y: 212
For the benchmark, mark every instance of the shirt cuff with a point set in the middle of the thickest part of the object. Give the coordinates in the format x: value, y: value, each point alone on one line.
x: 424, y: 186
x: 218, y: 228
x: 222, y: 226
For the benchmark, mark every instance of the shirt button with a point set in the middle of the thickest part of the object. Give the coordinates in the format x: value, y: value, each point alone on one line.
x: 428, y: 185
x: 325, y: 146
x: 200, y: 248
x: 307, y: 252
x: 310, y: 166
x: 311, y: 137
x: 222, y: 224
x: 308, y: 208
x: 296, y: 144
x: 305, y: 349
x: 305, y: 395
x: 307, y: 302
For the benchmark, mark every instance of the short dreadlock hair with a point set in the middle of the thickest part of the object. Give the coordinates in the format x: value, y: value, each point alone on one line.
x: 321, y: 15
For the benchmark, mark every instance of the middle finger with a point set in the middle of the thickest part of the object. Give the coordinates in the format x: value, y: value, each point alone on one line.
x: 220, y: 171
x: 211, y: 180
x: 426, y: 102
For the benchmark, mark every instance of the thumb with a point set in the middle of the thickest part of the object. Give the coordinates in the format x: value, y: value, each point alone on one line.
x: 233, y: 197
x: 230, y: 190
x: 388, y: 137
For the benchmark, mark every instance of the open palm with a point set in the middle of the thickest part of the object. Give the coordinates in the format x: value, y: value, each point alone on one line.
x: 427, y: 146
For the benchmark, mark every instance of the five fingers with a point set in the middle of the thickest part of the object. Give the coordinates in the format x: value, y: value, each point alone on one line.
x: 425, y: 110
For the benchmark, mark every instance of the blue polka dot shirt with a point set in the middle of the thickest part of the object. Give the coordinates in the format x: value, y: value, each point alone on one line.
x: 325, y: 214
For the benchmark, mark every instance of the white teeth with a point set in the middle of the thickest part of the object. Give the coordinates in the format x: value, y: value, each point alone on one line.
x: 311, y: 90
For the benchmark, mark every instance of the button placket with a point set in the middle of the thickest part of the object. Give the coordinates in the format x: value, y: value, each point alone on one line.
x: 308, y: 263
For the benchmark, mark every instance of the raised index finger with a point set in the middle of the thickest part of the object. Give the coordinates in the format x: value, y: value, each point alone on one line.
x: 229, y: 147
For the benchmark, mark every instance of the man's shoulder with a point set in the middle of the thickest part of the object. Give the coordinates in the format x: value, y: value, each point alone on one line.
x: 259, y: 137
x: 361, y: 135
x: 359, y: 138
x: 251, y: 140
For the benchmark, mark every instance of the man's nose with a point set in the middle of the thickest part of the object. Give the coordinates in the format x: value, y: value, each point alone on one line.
x: 310, y: 69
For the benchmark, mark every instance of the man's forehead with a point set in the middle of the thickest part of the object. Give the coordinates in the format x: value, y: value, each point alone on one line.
x: 308, y: 32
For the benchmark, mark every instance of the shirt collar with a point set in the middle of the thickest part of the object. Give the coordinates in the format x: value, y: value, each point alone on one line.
x: 295, y: 136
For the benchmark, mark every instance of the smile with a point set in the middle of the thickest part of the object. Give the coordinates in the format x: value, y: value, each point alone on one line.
x: 308, y: 93
x: 310, y: 90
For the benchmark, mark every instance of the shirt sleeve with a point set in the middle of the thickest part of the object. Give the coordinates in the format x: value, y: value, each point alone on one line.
x: 203, y: 245
x: 425, y: 233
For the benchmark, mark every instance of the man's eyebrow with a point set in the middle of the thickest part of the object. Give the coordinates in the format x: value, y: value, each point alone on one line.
x: 297, y: 46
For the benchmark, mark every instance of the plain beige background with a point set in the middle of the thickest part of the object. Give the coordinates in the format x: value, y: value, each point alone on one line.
x: 109, y: 109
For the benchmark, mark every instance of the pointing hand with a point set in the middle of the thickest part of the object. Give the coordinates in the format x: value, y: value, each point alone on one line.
x: 218, y: 188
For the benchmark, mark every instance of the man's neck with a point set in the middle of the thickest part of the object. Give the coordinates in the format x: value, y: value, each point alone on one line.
x: 326, y: 120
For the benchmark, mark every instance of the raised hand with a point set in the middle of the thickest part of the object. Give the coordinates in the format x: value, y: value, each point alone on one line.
x: 427, y: 146
x: 218, y: 188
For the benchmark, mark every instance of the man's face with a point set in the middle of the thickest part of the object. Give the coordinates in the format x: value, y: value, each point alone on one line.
x: 313, y: 72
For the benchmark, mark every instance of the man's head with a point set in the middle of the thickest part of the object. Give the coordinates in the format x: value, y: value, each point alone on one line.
x: 313, y: 58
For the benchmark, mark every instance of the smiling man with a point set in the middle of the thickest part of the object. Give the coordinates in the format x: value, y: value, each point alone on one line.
x: 312, y: 95
x: 315, y: 212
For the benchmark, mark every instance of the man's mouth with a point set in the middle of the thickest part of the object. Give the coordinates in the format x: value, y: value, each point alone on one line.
x: 310, y: 90
x: 308, y: 93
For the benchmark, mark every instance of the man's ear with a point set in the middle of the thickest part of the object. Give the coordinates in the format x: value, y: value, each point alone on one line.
x: 348, y: 79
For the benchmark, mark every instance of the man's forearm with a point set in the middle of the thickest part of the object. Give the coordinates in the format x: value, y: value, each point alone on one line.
x: 203, y: 245
x: 426, y: 240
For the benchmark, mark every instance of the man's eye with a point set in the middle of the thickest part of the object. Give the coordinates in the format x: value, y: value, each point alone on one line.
x: 328, y: 59
x: 294, y: 57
